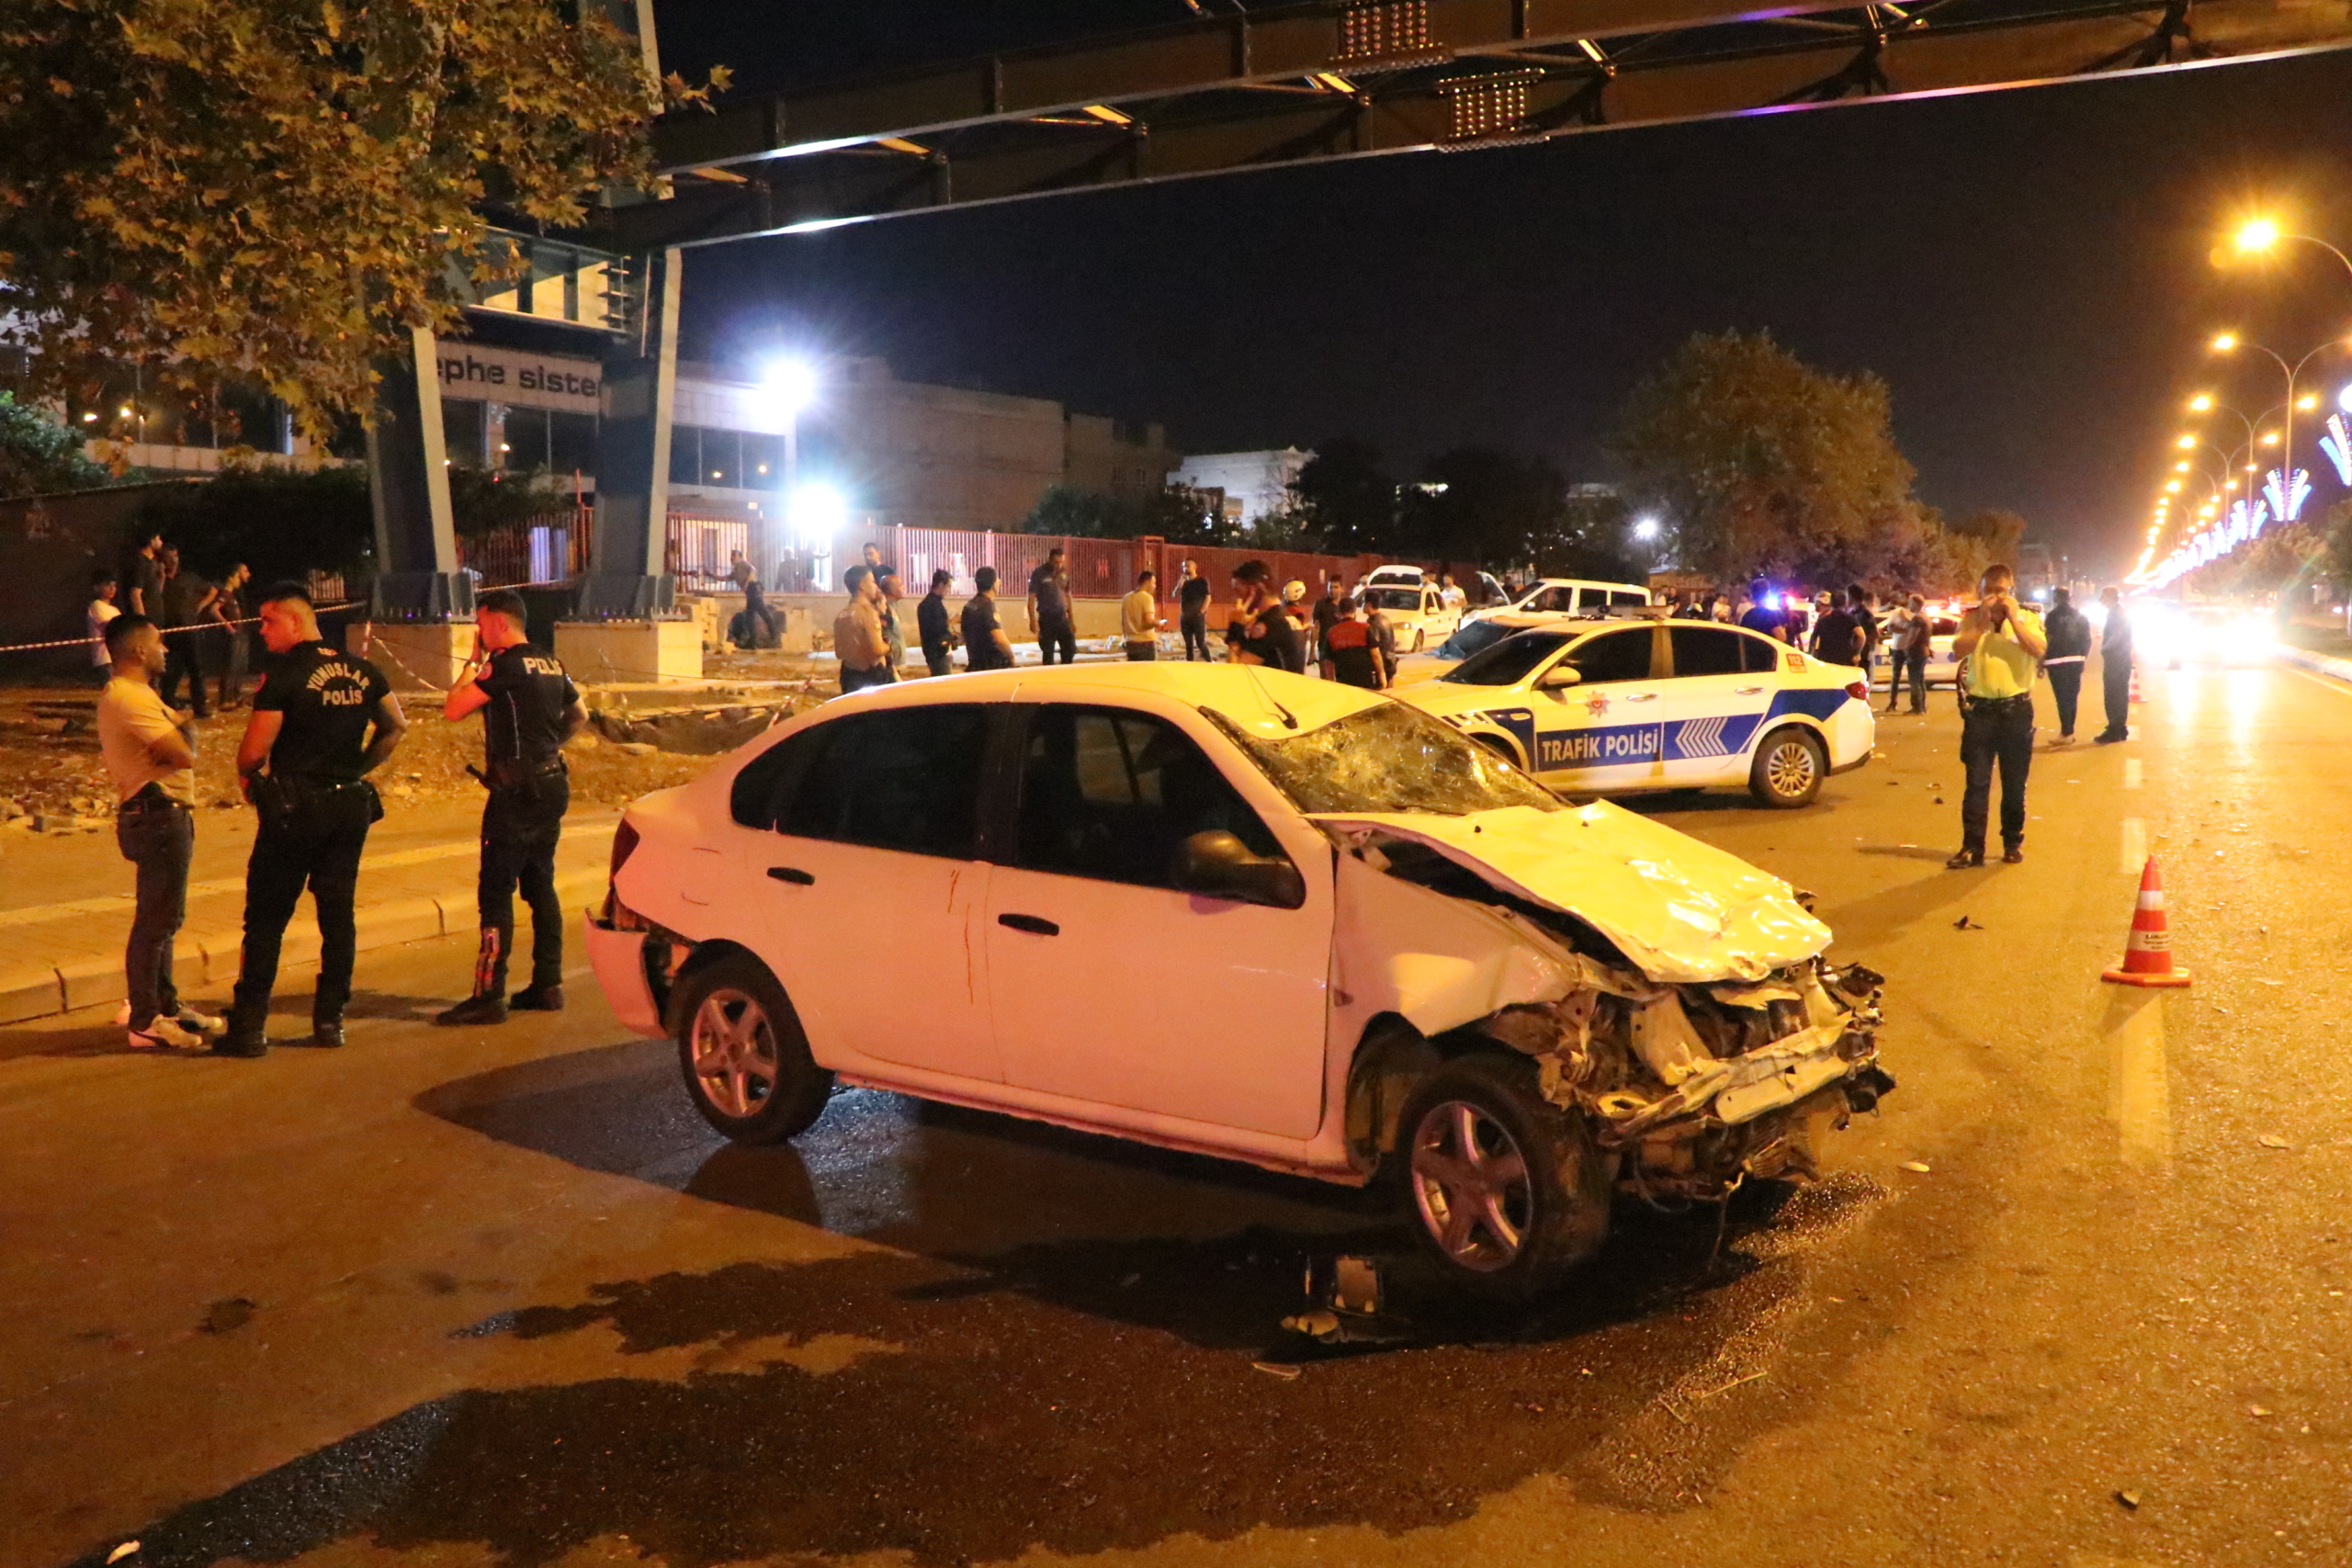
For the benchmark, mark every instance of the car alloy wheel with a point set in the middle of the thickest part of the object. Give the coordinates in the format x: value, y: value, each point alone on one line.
x: 1471, y: 1185
x: 733, y: 1043
x: 1789, y: 768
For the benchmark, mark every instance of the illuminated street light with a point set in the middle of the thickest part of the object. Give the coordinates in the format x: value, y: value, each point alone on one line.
x: 2257, y: 234
x: 2308, y: 401
x: 2174, y: 484
x: 790, y: 383
x: 2224, y: 343
x: 2202, y: 402
x: 2181, y: 466
x: 1646, y: 529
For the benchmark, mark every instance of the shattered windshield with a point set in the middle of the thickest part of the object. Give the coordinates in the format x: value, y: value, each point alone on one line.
x: 1509, y: 662
x: 1389, y: 758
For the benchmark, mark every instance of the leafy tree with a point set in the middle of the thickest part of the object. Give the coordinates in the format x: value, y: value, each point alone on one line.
x: 1590, y: 541
x: 1348, y: 498
x: 38, y: 456
x: 281, y: 188
x: 1998, y: 532
x: 1080, y: 513
x: 1762, y: 462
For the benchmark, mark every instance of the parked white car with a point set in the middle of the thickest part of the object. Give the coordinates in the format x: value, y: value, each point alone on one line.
x: 1420, y: 615
x: 1567, y: 596
x: 973, y: 889
x: 1614, y: 708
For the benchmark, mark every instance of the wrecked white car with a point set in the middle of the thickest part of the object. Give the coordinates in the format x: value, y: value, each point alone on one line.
x: 1237, y: 912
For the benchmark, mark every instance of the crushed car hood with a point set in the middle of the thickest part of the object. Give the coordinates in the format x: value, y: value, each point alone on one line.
x: 1685, y: 912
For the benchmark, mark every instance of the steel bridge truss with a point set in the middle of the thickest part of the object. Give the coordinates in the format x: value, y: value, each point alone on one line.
x: 1301, y: 84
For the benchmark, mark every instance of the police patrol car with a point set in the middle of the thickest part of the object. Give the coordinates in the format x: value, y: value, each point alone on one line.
x: 1656, y: 704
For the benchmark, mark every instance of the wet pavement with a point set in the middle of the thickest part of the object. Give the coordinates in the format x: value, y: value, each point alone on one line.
x: 500, y: 1297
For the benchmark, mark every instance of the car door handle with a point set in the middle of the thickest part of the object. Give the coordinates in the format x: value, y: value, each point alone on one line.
x: 1030, y: 923
x: 1641, y: 696
x: 793, y: 874
x: 1748, y: 691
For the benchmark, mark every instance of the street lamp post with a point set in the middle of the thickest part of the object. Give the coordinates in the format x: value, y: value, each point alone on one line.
x: 791, y: 386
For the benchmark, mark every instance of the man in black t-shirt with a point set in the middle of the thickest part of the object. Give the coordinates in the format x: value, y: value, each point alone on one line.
x: 1049, y: 610
x: 529, y: 708
x: 985, y: 647
x: 932, y: 625
x: 1193, y: 614
x: 1837, y: 635
x: 322, y: 721
x: 1760, y: 616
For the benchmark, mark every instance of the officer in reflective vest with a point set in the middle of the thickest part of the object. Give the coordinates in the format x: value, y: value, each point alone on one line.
x: 529, y: 708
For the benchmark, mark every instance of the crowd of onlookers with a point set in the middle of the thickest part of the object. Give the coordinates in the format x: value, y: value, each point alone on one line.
x: 204, y: 623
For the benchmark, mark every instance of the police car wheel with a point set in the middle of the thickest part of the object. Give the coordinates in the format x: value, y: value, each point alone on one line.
x: 1507, y: 1192
x: 1789, y: 767
x: 745, y: 1059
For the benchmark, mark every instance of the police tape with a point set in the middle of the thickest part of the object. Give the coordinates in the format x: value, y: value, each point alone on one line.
x: 94, y: 642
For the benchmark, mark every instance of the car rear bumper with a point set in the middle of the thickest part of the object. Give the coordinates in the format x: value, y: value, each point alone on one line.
x: 618, y: 958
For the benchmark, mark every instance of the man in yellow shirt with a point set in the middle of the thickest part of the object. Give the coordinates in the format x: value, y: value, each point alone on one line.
x: 2003, y: 642
x: 1139, y: 617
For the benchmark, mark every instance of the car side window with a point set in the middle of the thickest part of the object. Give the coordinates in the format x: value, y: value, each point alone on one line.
x: 759, y: 792
x: 1613, y: 656
x: 1704, y: 650
x: 1759, y: 655
x: 1627, y: 596
x: 1111, y: 794
x: 904, y: 780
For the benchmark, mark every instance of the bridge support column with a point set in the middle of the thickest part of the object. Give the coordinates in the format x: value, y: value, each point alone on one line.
x: 417, y: 575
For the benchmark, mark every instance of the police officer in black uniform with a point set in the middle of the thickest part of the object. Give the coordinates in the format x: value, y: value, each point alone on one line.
x: 323, y: 720
x: 529, y: 708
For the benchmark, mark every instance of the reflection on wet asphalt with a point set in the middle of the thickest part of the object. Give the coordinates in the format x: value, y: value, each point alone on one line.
x: 1060, y: 1354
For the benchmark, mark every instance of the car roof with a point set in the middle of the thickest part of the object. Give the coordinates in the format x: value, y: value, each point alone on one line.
x: 1247, y: 694
x: 1584, y: 583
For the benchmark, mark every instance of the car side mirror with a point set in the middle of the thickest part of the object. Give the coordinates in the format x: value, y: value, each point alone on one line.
x: 1216, y: 864
x: 1557, y: 676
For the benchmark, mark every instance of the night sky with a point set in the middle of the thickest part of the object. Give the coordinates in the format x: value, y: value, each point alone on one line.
x: 2030, y: 270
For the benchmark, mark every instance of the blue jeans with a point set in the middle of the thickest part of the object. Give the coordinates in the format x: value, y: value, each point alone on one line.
x: 160, y: 841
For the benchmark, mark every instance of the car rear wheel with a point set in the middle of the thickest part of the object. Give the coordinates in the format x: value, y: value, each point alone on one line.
x: 1789, y: 767
x: 1421, y: 639
x: 1506, y: 1190
x: 745, y: 1059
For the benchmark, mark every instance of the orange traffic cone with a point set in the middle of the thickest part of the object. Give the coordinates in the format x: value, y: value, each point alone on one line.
x: 2136, y: 698
x: 2147, y: 953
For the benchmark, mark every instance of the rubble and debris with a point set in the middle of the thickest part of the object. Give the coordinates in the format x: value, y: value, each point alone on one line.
x: 2273, y: 1141
x: 1277, y: 1369
x: 2129, y: 1499
x: 120, y: 1552
x: 1966, y: 924
x: 1919, y: 1166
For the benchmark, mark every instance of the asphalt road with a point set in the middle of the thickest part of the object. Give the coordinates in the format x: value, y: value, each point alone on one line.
x: 497, y: 1297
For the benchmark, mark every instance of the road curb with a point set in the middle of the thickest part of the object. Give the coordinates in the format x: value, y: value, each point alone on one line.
x: 36, y: 991
x: 2339, y: 668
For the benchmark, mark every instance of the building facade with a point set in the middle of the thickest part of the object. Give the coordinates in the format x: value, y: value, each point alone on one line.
x: 1255, y: 483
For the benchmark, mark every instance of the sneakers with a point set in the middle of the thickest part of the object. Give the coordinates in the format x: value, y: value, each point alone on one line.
x: 203, y: 1023
x: 166, y: 1034
x: 538, y: 998
x: 473, y: 1009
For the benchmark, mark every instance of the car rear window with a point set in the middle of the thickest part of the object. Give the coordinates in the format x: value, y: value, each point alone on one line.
x: 907, y: 780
